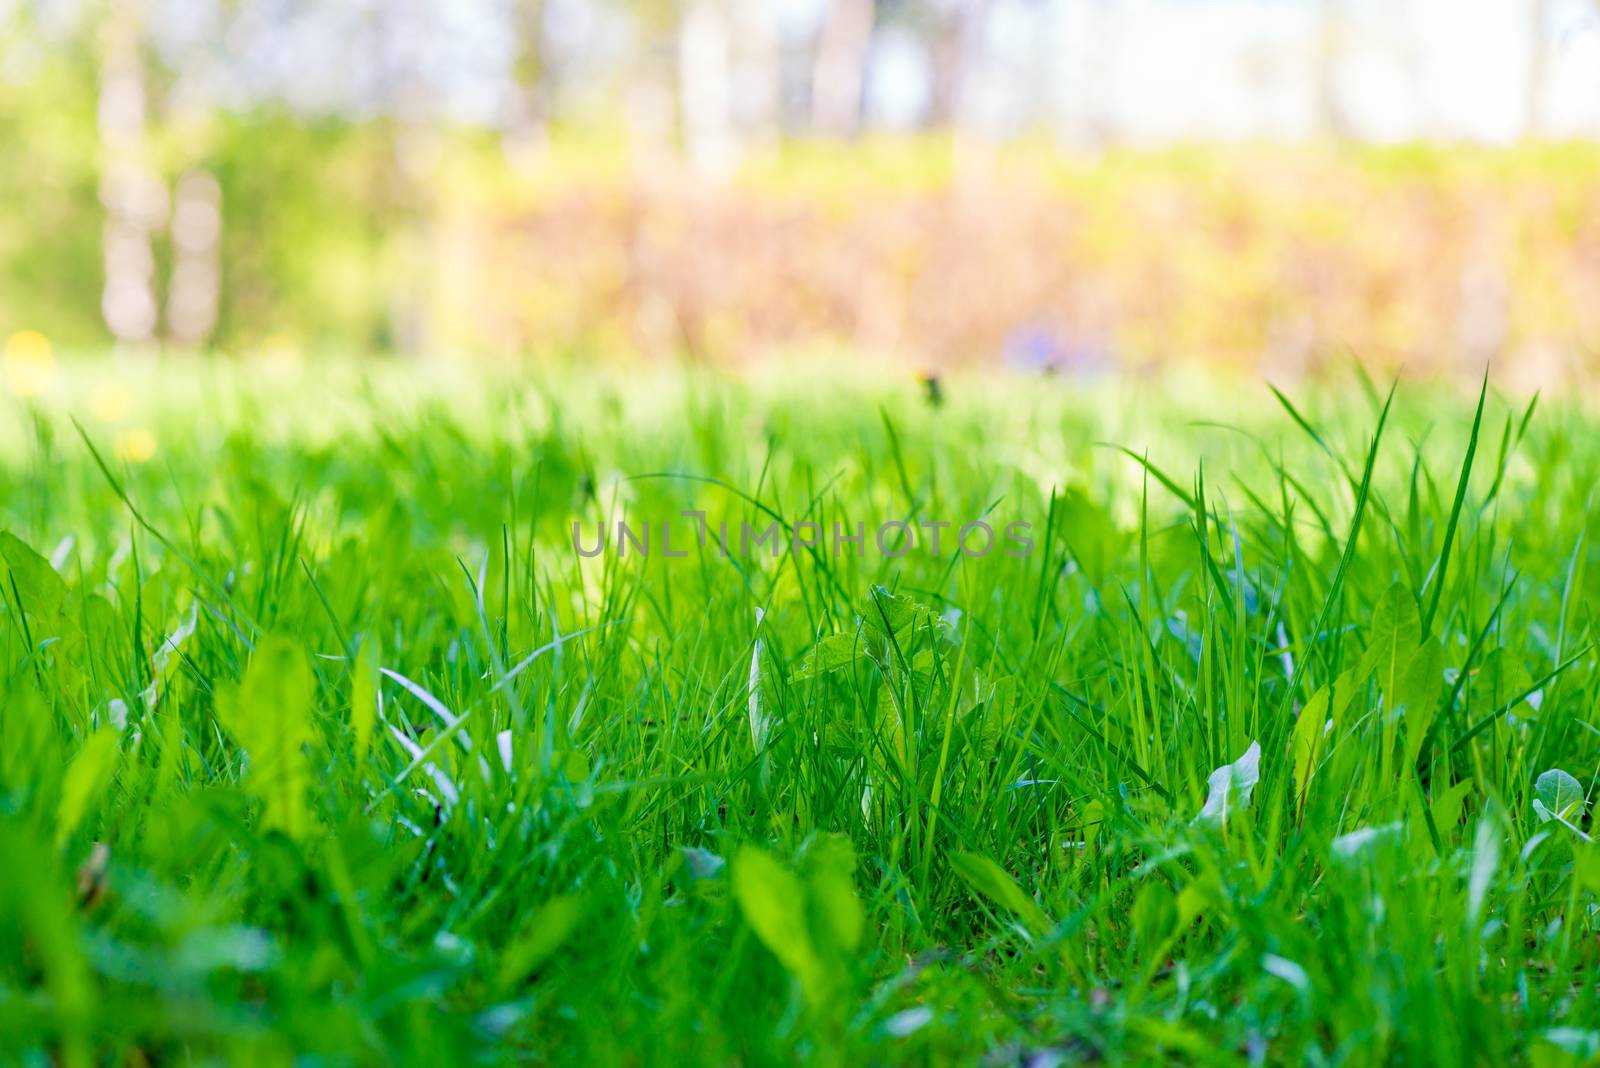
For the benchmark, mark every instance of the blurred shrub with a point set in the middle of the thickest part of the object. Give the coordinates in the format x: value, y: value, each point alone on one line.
x: 381, y: 237
x: 1427, y: 258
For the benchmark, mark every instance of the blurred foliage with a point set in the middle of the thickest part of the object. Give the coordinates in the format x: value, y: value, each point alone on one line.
x: 360, y: 236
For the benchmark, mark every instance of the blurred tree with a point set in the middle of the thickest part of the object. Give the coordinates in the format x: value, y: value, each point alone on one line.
x: 196, y: 231
x: 1329, y: 57
x: 528, y: 113
x: 133, y: 197
x: 651, y: 90
x: 1105, y: 119
x: 840, y: 68
x: 705, y: 86
x: 1538, y: 67
x: 758, y: 69
x: 953, y: 23
x: 50, y: 247
x: 185, y: 141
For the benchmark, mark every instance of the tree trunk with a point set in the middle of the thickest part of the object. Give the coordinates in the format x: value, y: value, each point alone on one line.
x: 134, y: 201
x: 840, y: 70
x: 1329, y: 51
x: 705, y: 90
x: 1538, y: 67
x: 949, y: 46
x: 524, y: 126
x: 197, y: 259
x: 758, y: 67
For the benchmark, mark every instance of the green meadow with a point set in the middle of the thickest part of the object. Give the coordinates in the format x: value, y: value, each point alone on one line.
x: 321, y: 742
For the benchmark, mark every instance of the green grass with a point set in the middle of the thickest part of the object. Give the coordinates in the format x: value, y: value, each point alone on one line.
x: 817, y: 807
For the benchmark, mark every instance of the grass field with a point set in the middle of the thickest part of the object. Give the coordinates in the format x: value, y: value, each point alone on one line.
x: 322, y: 743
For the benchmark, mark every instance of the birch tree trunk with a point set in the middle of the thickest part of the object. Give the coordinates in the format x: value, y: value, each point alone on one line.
x: 1328, y: 56
x: 197, y: 259
x: 527, y: 114
x: 705, y: 90
x: 840, y: 69
x: 1538, y: 67
x: 133, y: 199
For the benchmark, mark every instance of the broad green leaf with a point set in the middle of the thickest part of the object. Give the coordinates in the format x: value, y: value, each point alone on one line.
x: 1393, y: 636
x: 1090, y: 533
x: 1155, y: 915
x: 1344, y: 691
x: 772, y: 899
x: 811, y: 921
x: 87, y: 777
x: 1418, y: 694
x: 843, y: 737
x: 1500, y: 680
x: 991, y: 880
x: 1558, y: 797
x: 36, y: 902
x: 828, y: 863
x: 574, y: 764
x: 1394, y: 632
x: 30, y: 744
x: 1409, y: 670
x: 1418, y: 845
x: 1310, y: 733
x: 36, y: 582
x: 885, y: 611
x: 1447, y: 803
x: 90, y: 633
x: 1093, y: 819
x: 831, y: 653
x: 1417, y: 688
x: 269, y: 714
x: 1193, y: 902
x: 170, y: 731
x: 1586, y: 867
x: 906, y: 618
x: 550, y: 926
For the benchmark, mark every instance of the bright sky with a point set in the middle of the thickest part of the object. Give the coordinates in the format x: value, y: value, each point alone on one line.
x: 1156, y: 70
x: 1175, y: 69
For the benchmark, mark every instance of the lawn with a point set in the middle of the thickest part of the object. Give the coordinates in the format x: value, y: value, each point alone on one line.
x: 1264, y: 731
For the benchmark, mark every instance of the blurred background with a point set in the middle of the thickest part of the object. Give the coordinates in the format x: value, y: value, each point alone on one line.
x: 1082, y: 186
